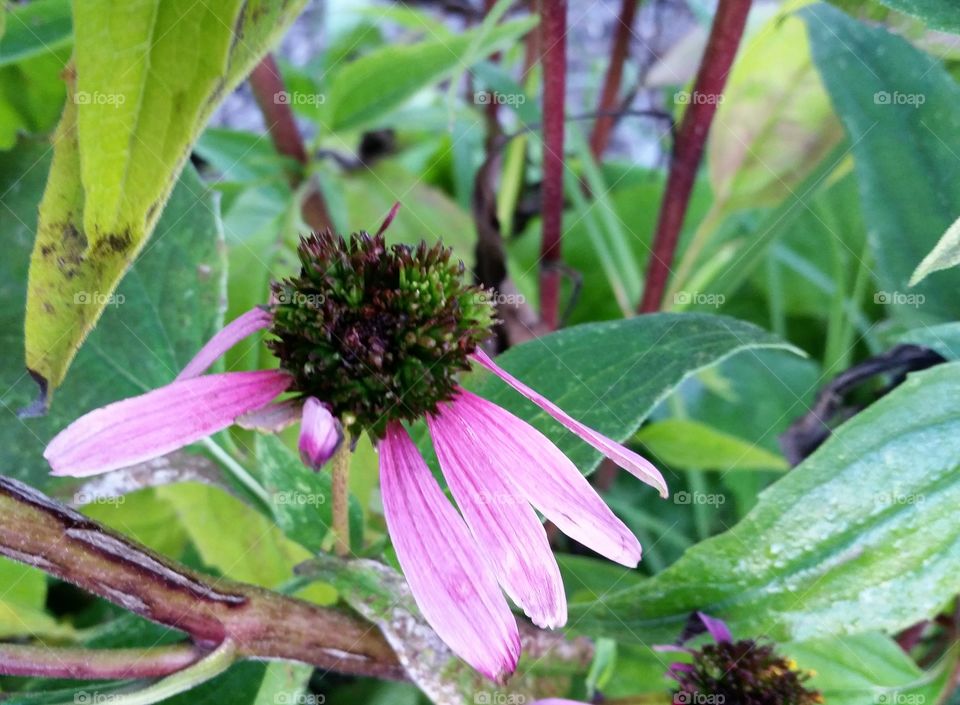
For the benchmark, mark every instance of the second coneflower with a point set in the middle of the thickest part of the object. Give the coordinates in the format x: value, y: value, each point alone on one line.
x: 369, y: 337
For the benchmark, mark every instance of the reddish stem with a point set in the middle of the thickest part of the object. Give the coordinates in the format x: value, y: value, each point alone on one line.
x: 553, y: 28
x: 271, y: 95
x: 96, y: 664
x: 688, y: 147
x: 606, y: 108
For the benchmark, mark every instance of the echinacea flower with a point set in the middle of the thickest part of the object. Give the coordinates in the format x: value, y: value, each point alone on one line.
x: 746, y: 672
x: 369, y: 337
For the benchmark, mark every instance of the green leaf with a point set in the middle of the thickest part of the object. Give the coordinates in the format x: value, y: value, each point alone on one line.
x: 300, y: 498
x: 610, y: 375
x: 775, y: 123
x: 901, y: 110
x: 231, y: 537
x: 944, y: 255
x: 34, y: 29
x: 142, y: 88
x: 166, y: 309
x: 23, y: 595
x: 867, y: 669
x: 690, y: 444
x: 939, y: 14
x: 368, y: 88
x: 861, y: 536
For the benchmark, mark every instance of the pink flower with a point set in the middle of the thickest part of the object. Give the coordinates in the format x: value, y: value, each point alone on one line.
x: 500, y: 470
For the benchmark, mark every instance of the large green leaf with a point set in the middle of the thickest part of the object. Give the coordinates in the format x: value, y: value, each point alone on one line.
x: 610, y: 375
x: 366, y: 89
x: 869, y: 669
x: 167, y: 307
x: 939, y: 14
x: 861, y: 536
x: 23, y: 595
x: 901, y: 110
x: 142, y: 87
x: 689, y: 444
x: 946, y: 254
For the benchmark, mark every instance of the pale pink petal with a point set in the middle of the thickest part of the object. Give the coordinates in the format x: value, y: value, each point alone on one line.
x: 622, y: 456
x: 448, y: 576
x: 503, y: 522
x: 158, y: 422
x: 272, y: 418
x: 320, y: 434
x: 239, y: 328
x: 549, y: 480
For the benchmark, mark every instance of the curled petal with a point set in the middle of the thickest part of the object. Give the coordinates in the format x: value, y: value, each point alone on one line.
x: 449, y: 578
x: 503, y: 522
x: 272, y: 418
x: 621, y: 455
x: 320, y: 434
x: 549, y: 480
x: 239, y: 328
x: 153, y: 424
x: 717, y: 628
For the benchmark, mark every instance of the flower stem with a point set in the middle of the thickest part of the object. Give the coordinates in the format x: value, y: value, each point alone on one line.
x: 725, y: 35
x: 553, y: 28
x: 602, y: 128
x: 202, y: 671
x: 271, y: 95
x: 340, y: 492
x: 96, y: 664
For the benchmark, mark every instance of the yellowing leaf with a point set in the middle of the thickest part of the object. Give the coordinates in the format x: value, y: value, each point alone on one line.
x: 693, y: 445
x: 776, y: 121
x: 946, y: 254
x: 141, y: 88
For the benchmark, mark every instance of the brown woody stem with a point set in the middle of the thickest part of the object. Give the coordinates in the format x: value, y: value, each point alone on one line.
x: 606, y: 109
x: 38, y: 531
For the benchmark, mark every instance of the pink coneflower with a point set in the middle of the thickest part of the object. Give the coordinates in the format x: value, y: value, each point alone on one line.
x: 369, y: 337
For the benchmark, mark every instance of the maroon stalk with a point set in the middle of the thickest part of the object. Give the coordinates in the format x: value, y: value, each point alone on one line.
x: 606, y: 108
x: 96, y: 664
x: 274, y: 101
x: 688, y: 147
x: 553, y: 44
x: 264, y: 625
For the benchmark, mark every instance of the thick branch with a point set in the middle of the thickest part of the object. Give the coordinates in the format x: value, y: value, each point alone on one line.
x: 553, y: 43
x: 688, y: 147
x: 600, y: 137
x: 274, y: 101
x: 43, y: 533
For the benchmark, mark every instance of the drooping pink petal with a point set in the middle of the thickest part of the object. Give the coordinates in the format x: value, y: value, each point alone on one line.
x: 530, y: 462
x: 622, y: 456
x: 141, y: 428
x: 320, y: 434
x: 448, y: 576
x: 272, y: 418
x: 503, y: 522
x: 239, y: 328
